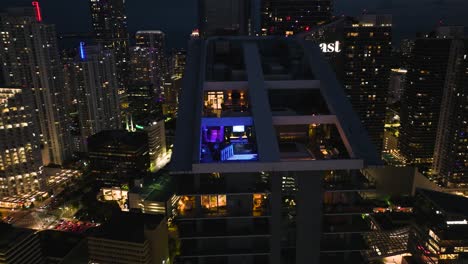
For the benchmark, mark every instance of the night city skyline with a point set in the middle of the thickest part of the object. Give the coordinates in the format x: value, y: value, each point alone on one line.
x: 233, y: 132
x: 178, y: 18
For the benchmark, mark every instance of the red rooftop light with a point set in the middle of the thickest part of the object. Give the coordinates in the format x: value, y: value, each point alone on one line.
x: 37, y: 9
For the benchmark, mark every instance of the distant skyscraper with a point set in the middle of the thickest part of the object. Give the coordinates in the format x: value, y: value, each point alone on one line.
x: 450, y: 160
x: 97, y: 92
x: 433, y: 99
x: 30, y: 59
x: 143, y: 105
x: 156, y: 143
x: 396, y: 86
x: 110, y: 28
x: 72, y: 78
x: 289, y: 17
x: 225, y: 17
x: 148, y: 58
x: 173, y: 82
x: 406, y: 51
x: 141, y: 65
x: 367, y: 48
x: 20, y: 156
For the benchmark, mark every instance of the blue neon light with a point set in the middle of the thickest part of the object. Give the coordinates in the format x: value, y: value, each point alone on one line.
x: 82, y: 51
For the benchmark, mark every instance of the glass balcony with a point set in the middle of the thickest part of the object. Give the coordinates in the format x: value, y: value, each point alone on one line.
x: 310, y: 142
x: 222, y: 206
x: 228, y: 103
x: 228, y: 144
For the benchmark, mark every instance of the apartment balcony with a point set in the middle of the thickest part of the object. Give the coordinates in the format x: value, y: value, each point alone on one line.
x: 226, y: 103
x: 230, y: 143
x: 310, y: 142
x: 348, y: 183
x: 218, y: 247
x: 221, y: 206
x: 224, y: 233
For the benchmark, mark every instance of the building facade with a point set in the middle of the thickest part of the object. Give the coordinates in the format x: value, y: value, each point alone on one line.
x: 149, y: 58
x: 173, y: 82
x: 286, y: 17
x: 367, y: 51
x: 97, y: 93
x: 34, y: 62
x: 19, y: 245
x: 157, y: 144
x: 438, y: 234
x: 20, y: 156
x: 255, y: 113
x: 450, y: 159
x: 109, y: 24
x: 433, y: 119
x: 130, y: 238
x: 117, y: 157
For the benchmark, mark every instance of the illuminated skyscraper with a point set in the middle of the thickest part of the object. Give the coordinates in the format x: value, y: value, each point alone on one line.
x: 173, y: 82
x: 97, y: 93
x: 110, y: 28
x: 20, y: 156
x: 450, y: 160
x: 288, y: 17
x: 367, y: 48
x: 433, y: 112
x: 30, y: 59
x: 148, y: 58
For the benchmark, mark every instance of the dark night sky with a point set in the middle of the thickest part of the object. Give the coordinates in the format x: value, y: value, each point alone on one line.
x: 178, y: 17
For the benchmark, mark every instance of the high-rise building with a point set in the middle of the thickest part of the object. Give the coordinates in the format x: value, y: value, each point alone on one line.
x: 141, y: 65
x: 360, y: 51
x: 225, y: 17
x: 110, y: 28
x: 97, y: 92
x: 30, y: 59
x: 72, y: 79
x: 450, y: 159
x: 130, y: 238
x: 151, y: 59
x: 173, y: 82
x: 268, y: 110
x: 20, y: 156
x: 143, y: 105
x: 367, y: 53
x: 157, y: 144
x: 289, y: 17
x: 19, y: 245
x: 433, y: 112
x: 438, y: 234
x: 117, y: 156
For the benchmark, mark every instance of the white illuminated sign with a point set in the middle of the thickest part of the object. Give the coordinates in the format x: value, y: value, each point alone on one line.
x: 463, y: 222
x: 331, y: 47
